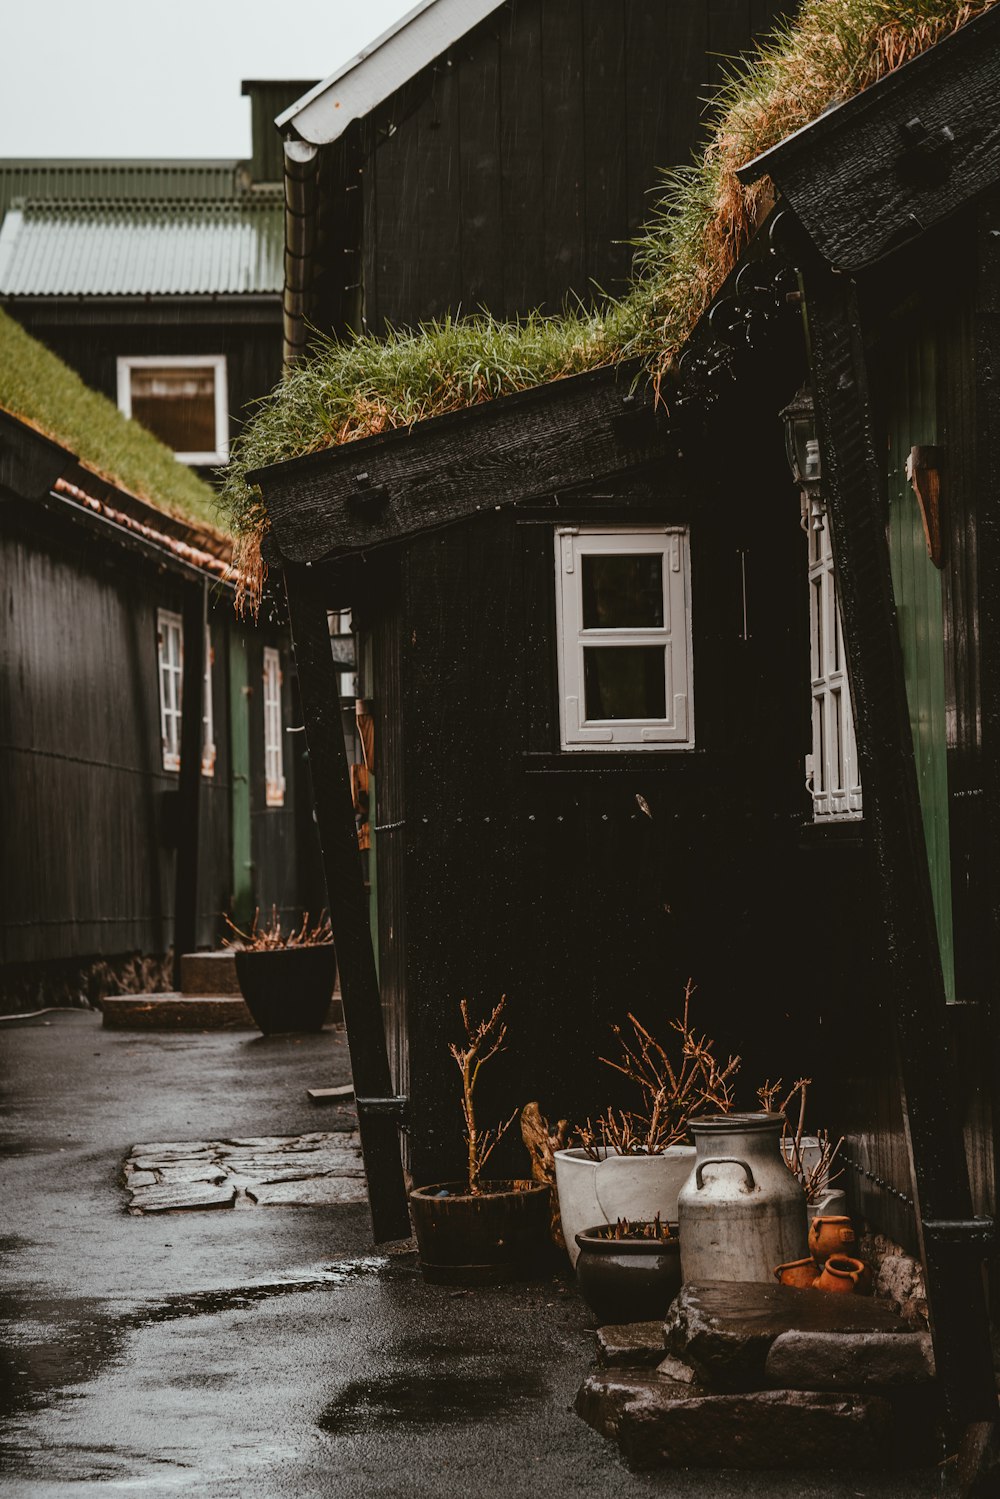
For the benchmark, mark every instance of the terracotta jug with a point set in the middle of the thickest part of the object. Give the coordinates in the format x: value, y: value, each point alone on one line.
x: 798, y: 1273
x: 830, y: 1236
x: 842, y: 1275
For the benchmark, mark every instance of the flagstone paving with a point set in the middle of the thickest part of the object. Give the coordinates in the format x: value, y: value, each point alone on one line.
x: 262, y: 1171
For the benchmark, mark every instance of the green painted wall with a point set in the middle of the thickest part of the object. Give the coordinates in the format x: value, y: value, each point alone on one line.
x: 912, y: 421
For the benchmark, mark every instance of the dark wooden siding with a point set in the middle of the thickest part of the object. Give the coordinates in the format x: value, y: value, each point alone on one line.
x: 512, y: 174
x: 89, y: 814
x: 535, y: 873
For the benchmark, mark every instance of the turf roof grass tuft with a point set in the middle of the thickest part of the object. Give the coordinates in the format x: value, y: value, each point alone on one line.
x: 37, y: 387
x: 831, y: 50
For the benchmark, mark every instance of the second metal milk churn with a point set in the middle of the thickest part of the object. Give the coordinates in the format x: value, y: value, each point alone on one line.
x: 741, y: 1210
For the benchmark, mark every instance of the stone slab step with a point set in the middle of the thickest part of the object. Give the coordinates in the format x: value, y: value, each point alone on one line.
x: 176, y: 1012
x: 209, y: 973
x: 725, y: 1329
x: 850, y: 1360
x: 630, y: 1345
x: 659, y: 1423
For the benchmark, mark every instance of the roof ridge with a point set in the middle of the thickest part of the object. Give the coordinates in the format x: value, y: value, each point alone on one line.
x: 257, y: 200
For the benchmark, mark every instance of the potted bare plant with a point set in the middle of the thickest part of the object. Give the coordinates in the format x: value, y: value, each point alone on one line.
x: 631, y: 1164
x: 286, y: 978
x: 476, y: 1231
x: 812, y: 1159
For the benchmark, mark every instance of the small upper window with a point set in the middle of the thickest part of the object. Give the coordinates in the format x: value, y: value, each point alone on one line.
x: 274, y: 763
x: 624, y: 637
x: 181, y: 399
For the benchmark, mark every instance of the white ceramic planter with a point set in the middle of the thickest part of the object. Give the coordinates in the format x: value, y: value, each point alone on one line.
x: 830, y: 1204
x: 636, y: 1187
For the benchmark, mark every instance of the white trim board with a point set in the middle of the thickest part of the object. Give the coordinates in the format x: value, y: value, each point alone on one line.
x: 392, y: 59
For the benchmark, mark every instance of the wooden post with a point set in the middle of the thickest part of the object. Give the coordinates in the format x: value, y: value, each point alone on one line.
x: 348, y: 901
x: 953, y: 1244
x: 189, y: 788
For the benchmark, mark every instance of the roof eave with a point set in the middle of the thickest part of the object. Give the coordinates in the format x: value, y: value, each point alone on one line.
x: 323, y: 114
x: 870, y: 174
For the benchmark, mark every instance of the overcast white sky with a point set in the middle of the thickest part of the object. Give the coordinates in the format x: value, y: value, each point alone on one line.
x: 133, y: 78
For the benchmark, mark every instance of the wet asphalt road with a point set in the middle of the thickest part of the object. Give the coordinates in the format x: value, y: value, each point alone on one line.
x: 265, y: 1352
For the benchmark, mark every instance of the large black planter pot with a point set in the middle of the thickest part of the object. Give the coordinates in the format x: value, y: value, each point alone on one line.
x: 288, y: 988
x: 628, y: 1280
x: 499, y: 1235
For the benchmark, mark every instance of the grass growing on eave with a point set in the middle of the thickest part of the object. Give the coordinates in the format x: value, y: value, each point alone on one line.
x: 41, y: 390
x: 831, y: 51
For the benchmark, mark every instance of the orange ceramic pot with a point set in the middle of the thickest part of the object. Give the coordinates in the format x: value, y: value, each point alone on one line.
x: 842, y: 1275
x: 830, y: 1236
x: 798, y: 1273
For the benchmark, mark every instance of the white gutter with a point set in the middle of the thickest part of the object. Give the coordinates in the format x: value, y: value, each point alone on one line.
x: 361, y: 85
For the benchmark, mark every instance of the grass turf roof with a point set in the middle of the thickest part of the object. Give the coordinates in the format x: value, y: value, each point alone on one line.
x: 832, y: 50
x: 38, y: 388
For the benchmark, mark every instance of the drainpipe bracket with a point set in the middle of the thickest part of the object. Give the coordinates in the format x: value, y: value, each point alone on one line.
x: 387, y: 1108
x: 956, y: 1237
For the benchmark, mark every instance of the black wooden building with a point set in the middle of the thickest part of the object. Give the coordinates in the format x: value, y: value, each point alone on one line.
x: 494, y: 154
x: 787, y: 784
x: 158, y: 281
x: 150, y: 784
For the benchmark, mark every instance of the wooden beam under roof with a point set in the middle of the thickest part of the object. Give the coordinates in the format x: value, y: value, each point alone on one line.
x: 870, y: 175
x: 383, y: 489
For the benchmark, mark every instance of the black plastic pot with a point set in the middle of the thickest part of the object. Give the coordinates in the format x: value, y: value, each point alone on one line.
x: 628, y: 1280
x: 501, y: 1234
x: 288, y: 988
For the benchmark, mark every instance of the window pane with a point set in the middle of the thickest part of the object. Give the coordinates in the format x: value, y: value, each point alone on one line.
x: 622, y: 592
x: 177, y: 404
x: 625, y: 681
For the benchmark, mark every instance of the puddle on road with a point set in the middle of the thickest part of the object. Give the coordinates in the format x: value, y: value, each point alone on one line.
x: 234, y: 1298
x: 368, y: 1406
x: 48, y: 1346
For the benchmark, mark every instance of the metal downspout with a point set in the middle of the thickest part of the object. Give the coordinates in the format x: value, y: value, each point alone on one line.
x: 300, y: 237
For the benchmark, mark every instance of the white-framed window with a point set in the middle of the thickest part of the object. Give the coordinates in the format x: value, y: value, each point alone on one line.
x: 182, y: 399
x: 208, y: 711
x: 832, y: 773
x: 624, y: 633
x: 274, y: 763
x: 170, y: 657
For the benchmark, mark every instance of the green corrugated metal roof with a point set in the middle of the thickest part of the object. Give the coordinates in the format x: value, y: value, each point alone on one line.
x: 164, y: 248
x: 93, y: 181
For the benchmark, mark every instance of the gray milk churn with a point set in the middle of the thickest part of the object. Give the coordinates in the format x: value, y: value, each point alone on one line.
x: 742, y: 1212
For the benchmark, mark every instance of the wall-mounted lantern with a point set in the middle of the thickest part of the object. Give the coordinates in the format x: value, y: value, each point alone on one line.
x: 802, y: 451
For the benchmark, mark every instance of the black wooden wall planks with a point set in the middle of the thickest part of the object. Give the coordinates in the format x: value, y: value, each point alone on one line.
x: 567, y: 113
x: 563, y: 156
x: 91, y: 823
x: 522, y: 184
x: 478, y: 85
x: 605, y: 134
